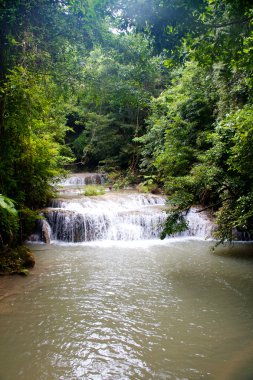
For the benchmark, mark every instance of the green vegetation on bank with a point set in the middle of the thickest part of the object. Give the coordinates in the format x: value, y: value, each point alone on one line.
x: 161, y: 90
x: 198, y: 138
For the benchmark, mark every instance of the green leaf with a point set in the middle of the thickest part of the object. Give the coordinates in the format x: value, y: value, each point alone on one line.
x: 8, y: 204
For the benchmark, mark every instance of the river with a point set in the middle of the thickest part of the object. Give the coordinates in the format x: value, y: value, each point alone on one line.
x: 119, y: 310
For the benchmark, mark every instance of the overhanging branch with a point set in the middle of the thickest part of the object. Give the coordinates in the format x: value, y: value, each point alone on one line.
x: 213, y: 205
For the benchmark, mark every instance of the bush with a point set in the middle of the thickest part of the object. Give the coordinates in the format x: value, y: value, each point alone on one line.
x: 93, y: 190
x: 143, y: 188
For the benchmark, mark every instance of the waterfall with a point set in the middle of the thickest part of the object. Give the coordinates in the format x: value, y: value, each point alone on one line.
x: 124, y: 215
x: 113, y: 216
x: 198, y: 224
x: 83, y: 179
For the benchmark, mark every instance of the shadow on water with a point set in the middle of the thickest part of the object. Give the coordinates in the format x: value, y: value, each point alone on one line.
x: 236, y: 250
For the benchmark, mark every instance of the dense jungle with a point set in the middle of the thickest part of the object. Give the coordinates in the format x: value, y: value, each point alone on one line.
x: 152, y: 92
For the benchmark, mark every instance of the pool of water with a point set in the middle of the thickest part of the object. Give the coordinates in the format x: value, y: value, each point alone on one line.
x: 129, y: 310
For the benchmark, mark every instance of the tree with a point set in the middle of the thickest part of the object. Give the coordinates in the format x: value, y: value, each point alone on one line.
x: 204, y: 118
x: 113, y: 100
x: 43, y: 45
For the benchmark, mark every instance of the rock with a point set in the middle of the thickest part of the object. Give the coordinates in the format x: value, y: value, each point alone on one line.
x: 16, y: 260
x: 27, y: 257
x: 46, y: 232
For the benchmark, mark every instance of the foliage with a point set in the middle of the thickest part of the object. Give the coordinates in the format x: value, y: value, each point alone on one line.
x: 215, y: 173
x: 149, y: 185
x: 93, y: 190
x: 42, y: 45
x: 199, y: 140
x: 175, y: 134
x: 34, y: 124
x: 175, y: 223
x: 119, y: 179
x: 8, y: 221
x: 8, y: 205
x: 113, y: 100
x: 143, y: 188
x: 206, y: 30
x: 83, y: 81
x: 232, y: 153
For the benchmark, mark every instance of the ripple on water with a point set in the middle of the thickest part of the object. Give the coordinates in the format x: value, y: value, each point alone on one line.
x: 154, y: 312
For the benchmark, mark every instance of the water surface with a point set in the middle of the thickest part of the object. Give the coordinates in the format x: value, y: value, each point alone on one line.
x: 129, y: 310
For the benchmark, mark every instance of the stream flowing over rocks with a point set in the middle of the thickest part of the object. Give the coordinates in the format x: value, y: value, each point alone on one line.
x: 117, y: 215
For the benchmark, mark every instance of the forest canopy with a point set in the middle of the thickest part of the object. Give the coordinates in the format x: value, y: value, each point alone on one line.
x: 159, y: 90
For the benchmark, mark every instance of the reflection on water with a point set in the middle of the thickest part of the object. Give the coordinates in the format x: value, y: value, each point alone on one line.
x: 138, y: 310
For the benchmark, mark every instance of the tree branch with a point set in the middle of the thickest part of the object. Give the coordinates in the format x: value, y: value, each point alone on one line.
x: 213, y: 205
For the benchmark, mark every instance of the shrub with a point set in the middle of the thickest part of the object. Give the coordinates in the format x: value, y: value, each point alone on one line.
x: 93, y: 190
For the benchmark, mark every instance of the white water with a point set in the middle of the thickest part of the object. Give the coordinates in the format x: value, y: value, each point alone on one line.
x: 199, y: 225
x: 83, y: 179
x: 126, y: 215
x: 113, y: 216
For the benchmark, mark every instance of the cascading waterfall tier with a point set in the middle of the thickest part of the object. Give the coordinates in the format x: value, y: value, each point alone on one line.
x: 113, y: 216
x: 198, y: 224
x: 74, y: 184
x: 124, y: 215
x: 82, y: 179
